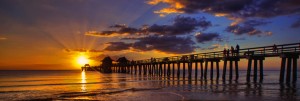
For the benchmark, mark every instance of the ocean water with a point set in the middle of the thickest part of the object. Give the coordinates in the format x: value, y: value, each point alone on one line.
x: 92, y: 85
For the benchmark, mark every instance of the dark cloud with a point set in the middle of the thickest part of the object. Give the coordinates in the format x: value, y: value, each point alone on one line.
x: 205, y: 37
x: 101, y: 34
x: 249, y: 30
x: 239, y: 30
x: 118, y: 26
x: 168, y: 44
x: 255, y: 22
x: 82, y: 50
x: 248, y: 27
x: 117, y: 46
x: 213, y: 47
x: 181, y: 25
x: 243, y: 38
x: 296, y: 24
x: 120, y: 30
x: 231, y: 8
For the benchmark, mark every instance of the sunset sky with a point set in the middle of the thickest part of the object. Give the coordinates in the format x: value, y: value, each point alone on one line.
x: 53, y: 34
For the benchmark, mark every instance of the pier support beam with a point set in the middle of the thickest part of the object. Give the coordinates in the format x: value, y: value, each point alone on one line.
x: 249, y: 69
x: 205, y: 70
x: 183, y: 74
x: 288, y: 70
x: 169, y: 70
x: 201, y: 70
x: 178, y: 70
x: 173, y: 70
x: 164, y: 69
x: 256, y: 59
x: 218, y: 70
x: 196, y: 70
x: 261, y: 70
x: 230, y: 70
x: 255, y: 70
x: 211, y: 70
x: 282, y: 69
x: 236, y: 70
x: 160, y: 69
x: 231, y: 60
x: 224, y: 70
x: 190, y: 70
x: 291, y: 67
x: 294, y: 70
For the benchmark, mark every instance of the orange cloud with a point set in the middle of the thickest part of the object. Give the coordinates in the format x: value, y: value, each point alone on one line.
x: 3, y: 38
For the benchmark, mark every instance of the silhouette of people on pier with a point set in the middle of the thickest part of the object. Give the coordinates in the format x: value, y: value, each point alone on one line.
x: 232, y: 51
x: 275, y: 50
x: 237, y: 47
x: 227, y: 52
x: 224, y: 52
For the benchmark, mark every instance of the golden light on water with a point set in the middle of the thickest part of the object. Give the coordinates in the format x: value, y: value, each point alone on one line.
x: 83, y: 81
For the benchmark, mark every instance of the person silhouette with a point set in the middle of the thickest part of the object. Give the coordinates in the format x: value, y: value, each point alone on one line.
x: 232, y: 51
x: 274, y: 48
x: 227, y: 52
x: 237, y: 50
x: 224, y: 52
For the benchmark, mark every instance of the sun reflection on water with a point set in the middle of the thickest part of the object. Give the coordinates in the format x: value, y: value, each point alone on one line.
x: 83, y: 81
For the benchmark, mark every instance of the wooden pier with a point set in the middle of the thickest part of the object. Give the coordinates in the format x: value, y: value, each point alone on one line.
x: 166, y: 66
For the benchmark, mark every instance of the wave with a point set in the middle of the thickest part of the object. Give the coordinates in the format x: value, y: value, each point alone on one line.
x: 57, y: 84
x: 77, y: 94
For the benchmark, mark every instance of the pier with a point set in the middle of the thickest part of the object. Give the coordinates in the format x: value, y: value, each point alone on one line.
x: 180, y: 65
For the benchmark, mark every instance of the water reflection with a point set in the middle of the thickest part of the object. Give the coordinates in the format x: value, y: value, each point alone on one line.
x: 83, y: 81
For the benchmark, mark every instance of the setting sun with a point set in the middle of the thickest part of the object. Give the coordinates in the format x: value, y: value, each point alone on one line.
x: 82, y: 60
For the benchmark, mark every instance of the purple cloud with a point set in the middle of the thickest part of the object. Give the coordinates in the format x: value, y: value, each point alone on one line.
x: 117, y: 46
x: 205, y: 37
x: 231, y: 8
x: 168, y: 44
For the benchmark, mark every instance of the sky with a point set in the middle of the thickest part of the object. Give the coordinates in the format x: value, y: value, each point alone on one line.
x: 53, y: 34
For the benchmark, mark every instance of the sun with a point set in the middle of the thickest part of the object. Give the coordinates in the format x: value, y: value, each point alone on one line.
x: 82, y: 60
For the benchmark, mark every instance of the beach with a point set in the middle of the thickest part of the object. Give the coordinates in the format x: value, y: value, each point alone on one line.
x: 92, y: 85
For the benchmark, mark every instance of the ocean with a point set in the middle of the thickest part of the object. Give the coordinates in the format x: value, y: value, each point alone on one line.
x: 92, y: 85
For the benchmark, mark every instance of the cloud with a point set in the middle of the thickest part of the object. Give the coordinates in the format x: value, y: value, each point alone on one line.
x: 230, y: 8
x: 82, y: 50
x: 243, y: 38
x: 120, y: 30
x: 239, y: 30
x: 205, y: 37
x: 255, y: 22
x: 181, y: 25
x: 248, y: 27
x: 3, y: 38
x: 212, y: 47
x: 117, y: 46
x: 168, y: 44
x: 249, y: 30
x: 296, y: 24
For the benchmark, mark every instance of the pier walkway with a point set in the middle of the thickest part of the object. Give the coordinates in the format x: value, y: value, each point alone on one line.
x: 174, y: 65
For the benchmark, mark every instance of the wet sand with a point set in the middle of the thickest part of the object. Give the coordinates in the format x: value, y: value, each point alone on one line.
x: 75, y: 85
